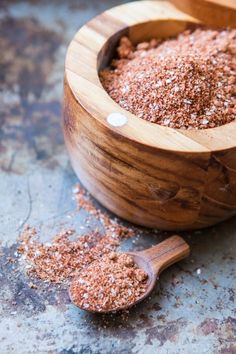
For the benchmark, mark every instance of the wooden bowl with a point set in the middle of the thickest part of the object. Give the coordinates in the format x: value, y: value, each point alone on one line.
x: 146, y: 173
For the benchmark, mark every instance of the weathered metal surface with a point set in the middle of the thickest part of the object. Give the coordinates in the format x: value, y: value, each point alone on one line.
x: 193, y: 307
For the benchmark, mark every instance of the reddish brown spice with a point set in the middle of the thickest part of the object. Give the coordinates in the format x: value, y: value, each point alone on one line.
x: 65, y: 256
x: 112, y: 227
x: 187, y: 82
x: 112, y: 282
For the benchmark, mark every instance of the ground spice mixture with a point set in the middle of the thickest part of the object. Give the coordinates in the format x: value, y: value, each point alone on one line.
x: 109, y: 283
x: 63, y: 258
x: 187, y: 82
x: 67, y: 254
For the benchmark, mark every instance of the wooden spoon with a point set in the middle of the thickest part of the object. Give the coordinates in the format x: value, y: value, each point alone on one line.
x: 157, y: 258
x: 153, y: 261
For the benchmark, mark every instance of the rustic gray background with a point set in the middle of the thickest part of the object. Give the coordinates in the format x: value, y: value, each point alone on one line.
x: 192, y: 309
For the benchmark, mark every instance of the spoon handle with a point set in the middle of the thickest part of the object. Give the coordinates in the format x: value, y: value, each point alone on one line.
x: 166, y: 253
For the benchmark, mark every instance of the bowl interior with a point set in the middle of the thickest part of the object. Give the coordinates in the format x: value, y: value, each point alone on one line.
x: 141, y: 32
x: 211, y: 138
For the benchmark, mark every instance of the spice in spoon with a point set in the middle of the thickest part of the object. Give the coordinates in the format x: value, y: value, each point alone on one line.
x: 111, y: 282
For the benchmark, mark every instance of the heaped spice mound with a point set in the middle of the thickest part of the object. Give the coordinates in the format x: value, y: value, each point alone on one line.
x: 188, y: 82
x: 109, y: 283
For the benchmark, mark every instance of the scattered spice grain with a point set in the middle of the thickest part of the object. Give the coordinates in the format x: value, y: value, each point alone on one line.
x: 67, y: 254
x: 111, y: 227
x: 63, y: 258
x: 187, y: 82
x: 112, y: 282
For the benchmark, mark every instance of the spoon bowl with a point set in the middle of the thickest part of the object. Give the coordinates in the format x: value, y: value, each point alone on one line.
x: 153, y: 261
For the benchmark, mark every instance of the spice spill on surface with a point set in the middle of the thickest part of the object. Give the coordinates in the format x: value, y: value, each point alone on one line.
x: 111, y: 226
x: 67, y: 254
x: 187, y: 82
x: 63, y: 258
x: 109, y: 283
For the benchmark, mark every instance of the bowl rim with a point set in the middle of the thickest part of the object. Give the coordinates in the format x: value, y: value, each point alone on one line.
x: 81, y: 73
